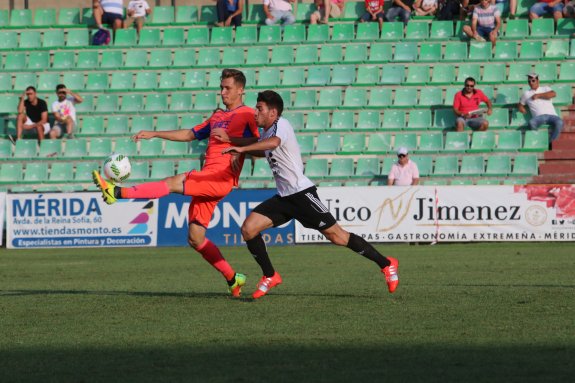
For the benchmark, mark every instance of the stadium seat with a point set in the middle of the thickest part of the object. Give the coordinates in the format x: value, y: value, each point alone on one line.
x: 445, y: 166
x: 353, y: 144
x: 378, y: 143
x: 246, y: 35
x: 482, y: 142
x: 380, y: 97
x: 121, y: 81
x: 281, y: 55
x: 170, y: 80
x: 15, y: 61
x: 149, y: 37
x: 441, y: 30
x: 472, y: 166
x: 221, y: 36
x: 270, y: 34
x: 525, y: 165
x: 392, y: 31
x: 162, y: 169
x: 157, y: 102
x: 11, y: 172
x: 368, y: 120
x: 205, y: 101
x: 430, y: 52
x: 87, y: 106
x: 127, y: 146
x: 405, y: 97
x: 367, y: 75
x: 75, y: 81
x: 261, y: 169
x: 304, y: 11
x: 160, y: 59
x: 76, y: 148
x: 305, y: 99
x: 380, y: 53
x: 355, y: 98
x: 146, y: 81
x: 567, y: 71
x: 417, y: 75
x: 61, y: 171
x: 84, y: 171
x: 107, y: 103
x: 565, y: 27
x: 327, y: 143
x: 292, y: 34
x: 151, y: 148
x: 393, y: 119
x: 542, y: 28
x: 499, y: 165
x: 163, y: 15
x: 494, y: 74
x: 136, y: 59
x: 92, y: 125
x: 25, y: 149
x: 456, y: 142
x: 6, y: 148
x: 53, y: 39
x: 406, y: 140
x: 547, y: 71
x: 443, y: 74
x: 479, y: 51
x: 455, y: 51
x: 556, y: 49
x: 117, y: 125
x: 419, y: 119
x: 166, y: 122
x: 393, y: 74
x: 329, y: 98
x: 405, y: 52
x: 8, y: 40
x: 47, y: 82
x: 564, y: 94
x: 126, y: 38
x: 367, y: 167
x: 69, y: 17
x: 355, y: 53
x: 4, y: 18
x: 505, y: 51
x: 246, y: 171
x: 431, y: 143
x: 268, y: 78
x: 176, y: 148
x: 209, y: 57
x: 198, y: 36
x: 306, y: 143
x: 367, y: 32
x: 296, y: 119
x: 233, y: 57
x: 77, y: 38
x: 518, y: 72
x: 100, y: 147
x: 142, y: 123
x: 317, y: 121
x: 24, y: 80
x: 341, y: 168
x: 38, y: 61
x: 256, y: 56
x: 173, y: 37
x: 21, y: 18
x: 110, y: 59
x: 531, y: 50
x: 536, y: 141
x: 183, y: 58
x: 306, y: 54
x: 507, y: 95
x: 208, y: 14
x: 195, y: 79
x: 97, y: 81
x: 342, y: 33
x: 316, y: 168
x: 417, y: 30
x: 317, y: 33
x: 186, y: 14
x: 516, y: 29
x: 509, y: 141
x: 330, y: 54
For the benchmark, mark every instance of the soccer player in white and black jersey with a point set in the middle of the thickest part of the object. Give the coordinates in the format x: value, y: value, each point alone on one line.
x: 296, y: 199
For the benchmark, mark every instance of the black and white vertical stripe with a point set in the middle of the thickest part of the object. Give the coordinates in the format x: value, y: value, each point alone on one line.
x: 316, y: 203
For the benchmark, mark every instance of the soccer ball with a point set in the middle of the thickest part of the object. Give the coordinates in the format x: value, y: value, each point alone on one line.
x: 117, y: 167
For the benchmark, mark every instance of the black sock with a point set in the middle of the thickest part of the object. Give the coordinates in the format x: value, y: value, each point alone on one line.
x: 257, y: 247
x: 362, y: 247
x: 118, y: 192
x: 232, y: 281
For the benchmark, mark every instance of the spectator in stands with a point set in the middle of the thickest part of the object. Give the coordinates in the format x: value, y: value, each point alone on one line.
x: 32, y: 114
x: 425, y: 7
x: 449, y: 9
x: 278, y: 11
x: 538, y: 100
x: 466, y: 107
x: 401, y: 9
x: 485, y: 23
x: 64, y: 110
x: 467, y: 7
x: 404, y: 172
x: 569, y: 10
x: 110, y: 12
x: 373, y: 12
x: 137, y: 12
x: 230, y: 13
x: 325, y: 9
x: 506, y: 7
x: 543, y: 7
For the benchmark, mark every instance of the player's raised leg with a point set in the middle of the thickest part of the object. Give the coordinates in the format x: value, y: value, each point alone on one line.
x: 111, y: 192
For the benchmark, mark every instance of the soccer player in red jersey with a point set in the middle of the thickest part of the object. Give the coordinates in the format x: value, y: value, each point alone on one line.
x: 208, y: 186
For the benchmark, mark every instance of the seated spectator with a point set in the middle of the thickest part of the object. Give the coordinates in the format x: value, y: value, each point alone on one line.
x: 325, y: 9
x: 64, y: 110
x: 485, y: 23
x: 506, y: 7
x: 278, y: 12
x: 404, y: 172
x: 425, y: 7
x: 230, y: 13
x: 401, y: 9
x: 544, y: 7
x: 109, y: 12
x: 466, y: 107
x: 32, y: 115
x: 467, y: 7
x: 569, y: 10
x: 137, y: 12
x: 373, y: 12
x: 538, y: 100
x: 448, y: 9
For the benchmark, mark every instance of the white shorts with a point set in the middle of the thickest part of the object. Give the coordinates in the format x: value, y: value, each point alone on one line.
x: 30, y: 122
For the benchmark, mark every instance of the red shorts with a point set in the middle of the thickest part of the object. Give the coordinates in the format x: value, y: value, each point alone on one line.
x: 207, y: 189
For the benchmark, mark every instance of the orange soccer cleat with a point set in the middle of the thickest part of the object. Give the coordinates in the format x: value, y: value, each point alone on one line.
x: 391, y: 276
x: 265, y: 284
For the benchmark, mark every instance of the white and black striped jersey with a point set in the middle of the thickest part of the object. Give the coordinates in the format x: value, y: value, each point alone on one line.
x: 285, y: 160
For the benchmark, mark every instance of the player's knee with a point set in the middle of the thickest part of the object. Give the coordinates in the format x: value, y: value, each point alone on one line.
x: 248, y: 231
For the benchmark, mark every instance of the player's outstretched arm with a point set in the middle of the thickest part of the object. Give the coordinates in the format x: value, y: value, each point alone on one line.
x: 255, y: 148
x: 222, y: 135
x: 184, y: 135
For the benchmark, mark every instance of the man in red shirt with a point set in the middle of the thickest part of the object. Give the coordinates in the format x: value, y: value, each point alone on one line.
x: 466, y: 107
x: 213, y: 182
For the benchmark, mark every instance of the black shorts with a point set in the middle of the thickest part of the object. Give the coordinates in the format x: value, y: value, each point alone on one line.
x: 108, y: 18
x: 304, y: 206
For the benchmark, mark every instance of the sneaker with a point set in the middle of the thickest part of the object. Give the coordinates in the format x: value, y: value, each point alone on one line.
x: 265, y: 284
x: 391, y: 276
x: 236, y: 288
x: 107, y: 188
x: 480, y: 39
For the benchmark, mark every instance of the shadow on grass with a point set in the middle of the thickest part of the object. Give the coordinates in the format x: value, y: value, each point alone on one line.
x: 277, y: 362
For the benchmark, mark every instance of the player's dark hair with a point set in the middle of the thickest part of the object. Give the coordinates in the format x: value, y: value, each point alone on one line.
x: 470, y: 79
x: 31, y: 88
x: 272, y: 100
x: 60, y: 86
x: 237, y: 75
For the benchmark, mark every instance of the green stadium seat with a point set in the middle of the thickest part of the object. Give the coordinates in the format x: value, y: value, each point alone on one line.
x: 306, y: 54
x: 525, y: 166
x: 24, y: 80
x: 505, y: 51
x: 367, y: 75
x: 198, y: 36
x: 536, y: 141
x: 187, y: 165
x: 342, y: 32
x: 368, y: 120
x: 531, y: 50
x: 246, y: 35
x: 556, y: 49
x: 565, y: 27
x: 379, y: 53
x: 270, y: 34
x: 167, y: 122
x: 162, y: 169
x: 564, y: 94
x: 92, y: 126
x: 11, y: 172
x: 47, y: 82
x: 170, y: 80
x: 430, y: 96
x: 89, y: 59
x: 88, y: 17
x: 417, y: 75
x: 6, y: 148
x: 191, y: 120
x: 455, y: 51
x: 160, y: 59
x: 5, y: 86
x: 367, y: 32
x: 30, y: 40
x: 205, y: 101
x: 38, y: 61
x: 268, y: 78
x: 209, y: 57
x: 327, y: 143
x: 208, y: 14
x: 25, y: 149
x: 317, y: 76
x: 456, y: 142
x: 100, y: 147
x: 430, y: 143
x: 87, y: 106
x: 117, y: 125
x: 84, y: 171
x: 44, y: 17
x: 97, y: 81
x: 163, y: 15
x: 195, y: 79
x: 246, y: 171
x: 441, y: 30
x: 261, y: 169
x: 121, y: 81
x: 233, y: 57
x: 394, y: 120
x: 419, y: 119
x: 4, y: 18
x: 405, y: 52
x: 8, y: 40
x: 317, y: 33
x: 184, y: 57
x: 53, y: 39
x: 304, y: 11
x: 151, y: 148
x: 392, y: 74
x: 378, y: 143
x: 255, y: 56
x: 127, y: 146
x: 111, y: 60
x: 136, y: 59
x: 542, y: 28
x: 305, y: 99
x: 509, y: 141
x: 392, y: 31
x: 444, y: 119
x: 567, y: 71
x: 180, y: 102
x: 443, y: 74
x: 405, y: 97
x: 107, y: 103
x: 186, y: 14
x: 73, y: 80
x: 417, y: 30
x: 499, y: 118
x: 482, y: 142
x: 468, y: 70
x: 156, y: 102
x: 430, y: 52
x: 69, y: 17
x: 355, y: 53
x: 317, y: 121
x: 461, y: 182
x: 516, y: 29
x: 424, y: 165
x: 149, y: 37
x: 445, y: 166
x: 221, y: 36
x: 173, y: 37
x: 518, y: 72
x: 507, y: 95
x: 352, y: 144
x: 146, y: 81
x: 214, y: 79
x: 140, y: 170
x: 256, y: 14
x: 21, y: 18
x: 407, y: 140
x: 498, y: 165
x: 142, y: 123
x: 380, y: 98
x: 295, y: 119
x: 367, y: 167
x: 472, y: 166
x: 293, y: 34
x: 547, y: 71
x: 306, y: 144
x: 341, y: 168
x: 353, y: 10
x: 479, y: 51
x: 355, y: 98
x: 126, y: 38
x: 60, y: 171
x: 132, y: 103
x: 77, y: 38
x: 330, y: 54
x: 76, y: 148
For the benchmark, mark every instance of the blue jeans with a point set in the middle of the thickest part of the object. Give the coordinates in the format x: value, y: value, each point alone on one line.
x: 555, y: 122
x: 394, y: 12
x: 282, y: 17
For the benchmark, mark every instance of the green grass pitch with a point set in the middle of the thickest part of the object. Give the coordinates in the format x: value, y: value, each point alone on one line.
x: 499, y: 312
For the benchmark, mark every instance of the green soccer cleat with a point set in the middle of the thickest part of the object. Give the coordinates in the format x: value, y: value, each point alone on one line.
x: 107, y: 188
x: 236, y: 288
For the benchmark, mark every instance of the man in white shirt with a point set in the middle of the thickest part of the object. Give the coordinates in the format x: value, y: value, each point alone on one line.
x: 404, y: 172
x: 64, y: 110
x: 110, y: 12
x: 137, y: 12
x: 538, y: 100
x: 278, y: 11
x: 296, y: 199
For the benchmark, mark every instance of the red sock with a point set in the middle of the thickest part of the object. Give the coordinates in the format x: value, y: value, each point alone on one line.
x: 212, y: 254
x: 147, y: 190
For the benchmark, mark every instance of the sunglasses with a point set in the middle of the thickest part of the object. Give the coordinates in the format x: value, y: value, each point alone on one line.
x: 61, y: 92
x: 402, y: 155
x: 533, y: 79
x: 470, y: 85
